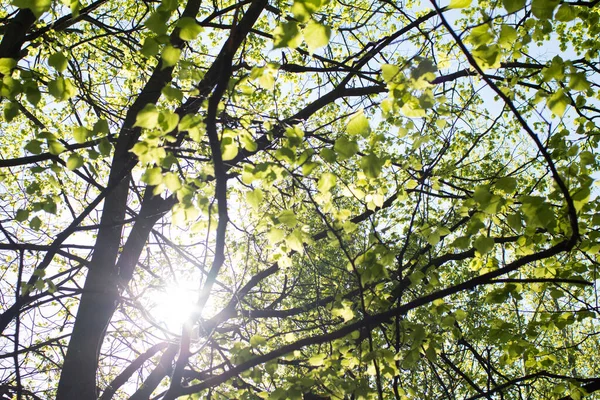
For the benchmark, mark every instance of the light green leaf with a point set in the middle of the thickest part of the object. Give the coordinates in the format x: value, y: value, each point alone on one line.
x: 326, y: 182
x: 229, y: 149
x: 150, y: 47
x: 254, y: 197
x: 506, y: 184
x: 33, y: 94
x: 7, y: 65
x: 37, y: 7
x: 317, y: 360
x: 171, y: 181
x: 566, y: 13
x: 257, y: 340
x: 371, y: 165
x: 55, y: 147
x: 80, y: 134
x: 288, y: 218
x: 170, y: 56
x: 74, y: 161
x: 58, y: 61
x: 316, y: 35
x: 152, y: 176
x: 345, y: 148
x: 287, y: 34
x: 459, y: 3
x: 157, y: 22
x: 389, y: 72
x: 147, y: 117
x: 62, y: 88
x: 168, y: 121
x: 188, y: 28
x: 558, y: 102
x: 358, y: 124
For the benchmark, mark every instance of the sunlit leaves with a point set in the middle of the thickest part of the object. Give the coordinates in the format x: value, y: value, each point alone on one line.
x: 371, y: 165
x: 316, y: 35
x: 58, y: 61
x: 147, y: 117
x: 459, y: 3
x: 80, y: 134
x: 483, y: 244
x: 157, y: 22
x: 188, y: 28
x: 37, y: 7
x: 170, y: 56
x: 287, y: 34
x: 358, y: 124
x: 345, y: 148
x: 74, y: 161
x: 326, y: 182
x: 566, y: 13
x: 558, y: 102
x: 152, y: 176
x: 7, y: 65
x: 62, y: 88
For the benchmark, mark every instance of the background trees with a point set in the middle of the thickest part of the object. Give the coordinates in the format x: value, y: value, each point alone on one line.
x: 344, y: 200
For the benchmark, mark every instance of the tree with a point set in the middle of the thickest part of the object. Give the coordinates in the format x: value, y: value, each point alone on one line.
x: 365, y: 200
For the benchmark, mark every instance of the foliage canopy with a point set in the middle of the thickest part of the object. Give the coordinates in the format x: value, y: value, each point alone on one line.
x: 299, y: 199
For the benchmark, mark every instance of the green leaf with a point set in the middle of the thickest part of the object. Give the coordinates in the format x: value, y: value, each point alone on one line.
x: 558, y: 102
x: 171, y: 181
x: 544, y: 9
x: 11, y: 110
x: 168, y: 121
x: 34, y: 146
x: 33, y: 94
x: 389, y: 72
x: 157, y: 22
x: 147, y: 117
x: 345, y: 148
x: 371, y: 165
x: 358, y: 124
x: 105, y: 147
x: 326, y: 182
x: 80, y: 134
x: 62, y: 88
x: 188, y: 28
x: 566, y: 13
x: 229, y: 149
x: 316, y: 35
x: 74, y: 161
x: 22, y: 215
x: 172, y: 93
x: 287, y: 34
x: 288, y: 218
x: 58, y: 61
x: 170, y: 56
x: 317, y: 360
x: 35, y: 223
x: 506, y: 184
x: 459, y: 3
x: 55, y: 147
x: 153, y: 176
x: 7, y: 65
x: 37, y: 7
x: 513, y: 5
x: 257, y: 340
x: 483, y: 244
x: 254, y: 197
x: 150, y: 47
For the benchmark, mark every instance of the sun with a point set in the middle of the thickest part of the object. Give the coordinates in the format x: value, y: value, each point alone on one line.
x: 172, y: 305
